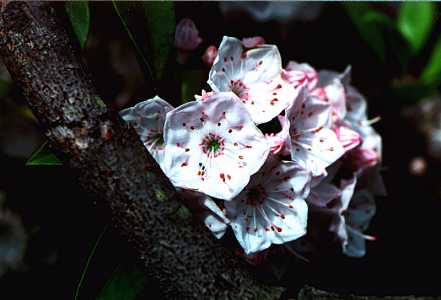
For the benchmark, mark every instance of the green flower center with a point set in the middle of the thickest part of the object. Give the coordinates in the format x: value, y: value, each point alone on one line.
x: 213, y: 145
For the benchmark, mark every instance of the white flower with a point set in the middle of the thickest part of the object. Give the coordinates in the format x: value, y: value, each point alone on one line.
x: 148, y: 119
x: 356, y: 107
x: 213, y: 146
x: 331, y: 89
x: 364, y: 160
x: 353, y: 215
x: 313, y: 145
x: 271, y: 209
x: 254, y: 75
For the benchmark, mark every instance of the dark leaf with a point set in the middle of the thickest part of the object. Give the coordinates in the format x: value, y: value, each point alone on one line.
x: 161, y: 23
x: 411, y: 93
x: 432, y: 72
x: 369, y: 23
x: 192, y: 82
x: 126, y: 283
x: 78, y: 12
x: 150, y: 26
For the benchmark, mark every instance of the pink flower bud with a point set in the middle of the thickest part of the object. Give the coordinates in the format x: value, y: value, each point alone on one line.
x: 300, y: 75
x: 252, y: 42
x: 209, y: 55
x: 361, y: 158
x: 187, y: 36
x: 348, y: 138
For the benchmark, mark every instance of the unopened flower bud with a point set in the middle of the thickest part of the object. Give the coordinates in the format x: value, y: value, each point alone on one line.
x: 187, y: 36
x: 209, y: 55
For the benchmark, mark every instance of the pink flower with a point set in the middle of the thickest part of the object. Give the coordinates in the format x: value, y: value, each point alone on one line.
x: 300, y: 75
x: 186, y: 35
x: 209, y: 55
x: 253, y: 42
x: 359, y: 159
x: 348, y: 138
x: 213, y: 146
x: 254, y: 75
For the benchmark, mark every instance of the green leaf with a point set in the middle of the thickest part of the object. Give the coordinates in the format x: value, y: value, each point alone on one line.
x: 78, y: 12
x: 161, y: 23
x: 432, y: 72
x: 43, y: 157
x: 415, y: 22
x: 125, y: 284
x: 380, y: 33
x: 150, y: 26
x: 370, y: 24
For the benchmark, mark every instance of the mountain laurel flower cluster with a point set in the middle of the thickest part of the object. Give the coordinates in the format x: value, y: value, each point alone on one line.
x: 274, y: 155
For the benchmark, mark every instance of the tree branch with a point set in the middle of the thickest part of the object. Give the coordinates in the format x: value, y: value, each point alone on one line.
x: 112, y: 162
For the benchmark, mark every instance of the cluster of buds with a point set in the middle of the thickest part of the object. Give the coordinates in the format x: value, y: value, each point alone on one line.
x: 325, y: 157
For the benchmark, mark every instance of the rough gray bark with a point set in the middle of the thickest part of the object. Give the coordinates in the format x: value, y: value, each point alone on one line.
x: 112, y: 162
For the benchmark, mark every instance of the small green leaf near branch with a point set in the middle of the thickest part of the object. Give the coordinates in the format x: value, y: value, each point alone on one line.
x: 79, y: 16
x: 43, y: 157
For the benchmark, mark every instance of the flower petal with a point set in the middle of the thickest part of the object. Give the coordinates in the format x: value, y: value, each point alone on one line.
x: 213, y: 146
x: 148, y: 118
x: 314, y: 146
x: 254, y: 76
x: 271, y: 209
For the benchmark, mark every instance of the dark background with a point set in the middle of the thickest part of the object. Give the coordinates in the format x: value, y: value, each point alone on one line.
x: 63, y: 222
